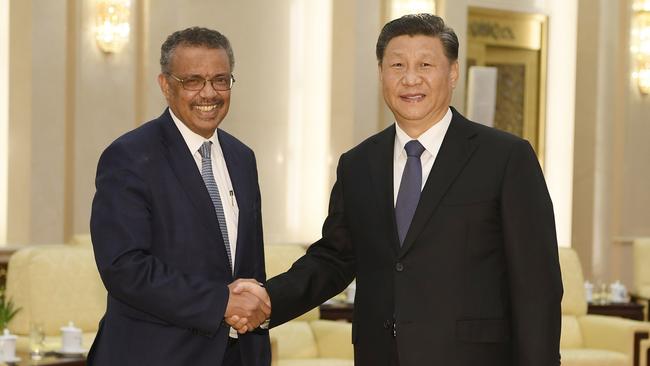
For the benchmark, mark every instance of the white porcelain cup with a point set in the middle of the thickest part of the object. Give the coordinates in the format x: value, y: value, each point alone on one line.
x: 70, y: 338
x: 618, y: 291
x: 589, y: 291
x: 7, y: 346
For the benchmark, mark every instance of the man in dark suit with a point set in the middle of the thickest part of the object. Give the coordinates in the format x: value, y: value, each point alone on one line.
x: 176, y: 217
x: 447, y: 226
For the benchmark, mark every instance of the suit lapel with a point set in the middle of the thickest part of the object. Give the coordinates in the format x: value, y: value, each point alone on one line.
x: 457, y: 147
x: 184, y: 167
x: 381, y: 170
x: 236, y: 171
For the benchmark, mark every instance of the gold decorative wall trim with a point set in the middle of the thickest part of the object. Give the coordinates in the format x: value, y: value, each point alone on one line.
x: 72, y: 20
x: 141, y: 37
x: 508, y: 29
x: 508, y: 39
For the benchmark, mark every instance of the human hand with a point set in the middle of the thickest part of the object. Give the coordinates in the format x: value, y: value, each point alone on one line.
x: 248, y: 305
x: 252, y: 286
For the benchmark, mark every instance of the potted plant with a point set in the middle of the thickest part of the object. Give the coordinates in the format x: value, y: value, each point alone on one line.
x: 7, y: 310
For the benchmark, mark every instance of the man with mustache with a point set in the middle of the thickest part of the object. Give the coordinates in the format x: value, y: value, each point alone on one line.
x: 446, y: 224
x: 175, y: 219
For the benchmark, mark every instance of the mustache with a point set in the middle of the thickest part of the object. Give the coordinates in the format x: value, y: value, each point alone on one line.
x: 218, y: 101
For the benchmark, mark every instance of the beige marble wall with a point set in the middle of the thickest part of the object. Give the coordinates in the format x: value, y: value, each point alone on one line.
x: 612, y: 176
x: 560, y: 83
x: 59, y: 128
x: 585, y: 134
x: 48, y: 109
x: 77, y: 100
x: 631, y: 170
x: 20, y: 123
x: 356, y: 101
x: 104, y: 103
x: 4, y: 116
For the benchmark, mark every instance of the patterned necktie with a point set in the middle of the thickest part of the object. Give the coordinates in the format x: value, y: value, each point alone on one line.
x: 213, y: 190
x: 410, y: 188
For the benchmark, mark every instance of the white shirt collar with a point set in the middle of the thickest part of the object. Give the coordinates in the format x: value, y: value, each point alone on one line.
x: 430, y: 139
x: 192, y: 139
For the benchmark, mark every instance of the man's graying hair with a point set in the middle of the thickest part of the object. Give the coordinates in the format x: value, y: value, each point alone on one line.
x: 195, y: 37
x: 416, y: 24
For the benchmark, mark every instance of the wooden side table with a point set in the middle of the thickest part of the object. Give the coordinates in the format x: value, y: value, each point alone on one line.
x: 629, y: 310
x: 645, y: 302
x: 337, y: 311
x: 50, y: 359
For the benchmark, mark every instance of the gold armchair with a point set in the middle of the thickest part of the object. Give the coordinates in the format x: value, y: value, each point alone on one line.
x: 594, y: 340
x: 54, y: 284
x: 641, y: 291
x: 306, y: 340
x: 644, y: 357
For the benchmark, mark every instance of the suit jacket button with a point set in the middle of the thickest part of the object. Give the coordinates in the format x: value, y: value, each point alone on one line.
x: 399, y: 267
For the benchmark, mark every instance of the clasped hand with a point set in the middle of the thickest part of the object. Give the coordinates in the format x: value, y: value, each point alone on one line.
x: 248, y: 306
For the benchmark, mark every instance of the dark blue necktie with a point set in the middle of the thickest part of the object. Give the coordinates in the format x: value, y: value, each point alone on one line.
x: 213, y: 191
x: 409, y: 189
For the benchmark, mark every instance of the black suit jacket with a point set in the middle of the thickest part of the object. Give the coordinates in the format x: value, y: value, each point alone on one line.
x: 477, y: 281
x: 160, y: 253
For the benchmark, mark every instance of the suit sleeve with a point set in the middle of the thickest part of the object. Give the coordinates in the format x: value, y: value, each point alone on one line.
x: 324, y: 271
x: 121, y: 229
x: 532, y: 260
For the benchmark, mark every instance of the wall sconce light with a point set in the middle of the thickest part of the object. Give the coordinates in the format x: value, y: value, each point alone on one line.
x: 398, y: 8
x: 641, y: 45
x: 112, y: 24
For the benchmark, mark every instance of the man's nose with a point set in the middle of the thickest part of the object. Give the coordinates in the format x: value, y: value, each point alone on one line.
x: 411, y: 77
x: 208, y: 90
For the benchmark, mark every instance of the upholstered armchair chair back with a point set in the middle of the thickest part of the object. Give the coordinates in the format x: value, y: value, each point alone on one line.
x: 642, y: 267
x: 574, y: 303
x: 53, y: 285
x: 278, y: 259
x: 589, y: 340
x: 306, y: 340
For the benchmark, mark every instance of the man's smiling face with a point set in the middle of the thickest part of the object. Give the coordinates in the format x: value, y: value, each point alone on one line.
x: 201, y: 111
x: 417, y: 79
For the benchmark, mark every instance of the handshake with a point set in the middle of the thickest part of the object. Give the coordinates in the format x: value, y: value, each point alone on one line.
x: 248, y: 306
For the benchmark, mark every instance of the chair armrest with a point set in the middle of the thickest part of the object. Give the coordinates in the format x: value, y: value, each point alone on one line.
x: 644, y: 352
x: 333, y: 338
x: 614, y: 334
x: 274, y: 351
x: 634, y: 296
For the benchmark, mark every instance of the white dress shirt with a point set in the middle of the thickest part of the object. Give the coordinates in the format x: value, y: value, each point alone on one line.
x: 431, y: 139
x: 221, y: 176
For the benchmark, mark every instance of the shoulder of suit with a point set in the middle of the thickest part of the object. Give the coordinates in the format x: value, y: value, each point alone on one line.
x: 386, y: 135
x: 232, y: 141
x: 138, y: 145
x: 142, y: 136
x: 482, y: 133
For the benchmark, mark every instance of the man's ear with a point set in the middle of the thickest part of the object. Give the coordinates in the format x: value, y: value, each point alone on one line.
x: 381, y: 77
x: 453, y: 74
x: 164, y: 85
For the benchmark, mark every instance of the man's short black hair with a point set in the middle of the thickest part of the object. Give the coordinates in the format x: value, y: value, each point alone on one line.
x: 194, y: 36
x: 416, y: 24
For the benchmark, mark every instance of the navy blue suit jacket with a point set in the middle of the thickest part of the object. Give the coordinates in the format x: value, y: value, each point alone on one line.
x: 160, y: 253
